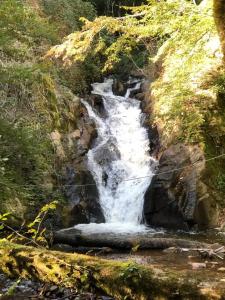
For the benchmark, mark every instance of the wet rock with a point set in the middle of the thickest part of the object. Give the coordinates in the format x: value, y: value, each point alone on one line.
x: 154, y: 141
x: 97, y: 102
x: 140, y: 92
x: 140, y: 96
x: 107, y: 153
x: 88, y: 133
x: 83, y: 197
x: 62, y: 247
x: 134, y: 93
x: 53, y: 288
x: 78, y: 186
x: 177, y: 197
x: 119, y: 88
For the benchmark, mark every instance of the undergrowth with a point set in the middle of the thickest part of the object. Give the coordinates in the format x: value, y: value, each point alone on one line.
x: 35, y: 99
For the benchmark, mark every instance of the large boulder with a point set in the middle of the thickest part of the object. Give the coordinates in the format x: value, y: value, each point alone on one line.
x: 96, y: 101
x: 82, y: 193
x: 107, y: 153
x: 81, y: 203
x: 177, y: 197
x: 119, y: 88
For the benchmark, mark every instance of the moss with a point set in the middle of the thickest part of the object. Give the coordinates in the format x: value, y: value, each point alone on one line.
x: 117, y: 279
x: 214, y: 138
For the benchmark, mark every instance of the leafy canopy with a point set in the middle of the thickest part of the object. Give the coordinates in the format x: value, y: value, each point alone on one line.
x: 178, y: 35
x: 158, y: 20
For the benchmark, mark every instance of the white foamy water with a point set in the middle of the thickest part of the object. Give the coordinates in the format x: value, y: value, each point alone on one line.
x: 120, y: 154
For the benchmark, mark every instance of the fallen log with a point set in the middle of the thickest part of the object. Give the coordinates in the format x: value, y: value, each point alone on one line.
x: 117, y: 279
x: 77, y: 238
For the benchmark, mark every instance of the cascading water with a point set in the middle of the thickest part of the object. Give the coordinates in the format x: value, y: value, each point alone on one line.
x: 120, y: 154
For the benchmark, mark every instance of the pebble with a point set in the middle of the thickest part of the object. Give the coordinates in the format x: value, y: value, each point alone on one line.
x: 28, y: 289
x: 53, y: 288
x: 197, y: 266
x: 222, y: 269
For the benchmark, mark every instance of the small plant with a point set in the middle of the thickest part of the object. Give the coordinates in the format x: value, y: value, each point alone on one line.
x: 35, y: 228
x: 220, y: 182
x: 12, y: 288
x: 131, y: 272
x: 32, y: 233
x: 3, y: 218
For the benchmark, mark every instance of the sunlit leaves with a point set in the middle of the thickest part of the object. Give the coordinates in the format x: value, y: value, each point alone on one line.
x: 162, y: 20
x: 187, y: 47
x: 33, y: 232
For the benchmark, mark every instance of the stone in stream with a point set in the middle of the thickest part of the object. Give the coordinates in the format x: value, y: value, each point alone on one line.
x: 107, y: 153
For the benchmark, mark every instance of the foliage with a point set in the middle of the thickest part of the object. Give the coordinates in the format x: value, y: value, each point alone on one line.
x: 35, y: 228
x: 34, y: 100
x: 3, y: 218
x: 221, y: 182
x: 187, y: 46
x: 23, y: 160
x: 113, y: 8
x: 32, y: 233
x: 131, y: 272
x: 68, y: 12
x: 219, y: 11
x: 20, y: 27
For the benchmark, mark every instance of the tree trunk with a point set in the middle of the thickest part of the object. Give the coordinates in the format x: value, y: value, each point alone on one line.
x: 75, y: 238
x: 116, y: 279
x: 219, y: 15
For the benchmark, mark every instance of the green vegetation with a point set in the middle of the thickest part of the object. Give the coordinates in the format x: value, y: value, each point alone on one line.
x: 33, y: 232
x: 188, y: 47
x: 68, y: 12
x: 35, y: 98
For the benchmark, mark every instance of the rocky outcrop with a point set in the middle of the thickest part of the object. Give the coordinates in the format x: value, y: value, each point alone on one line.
x: 177, y: 197
x: 97, y: 102
x: 119, y: 87
x: 82, y: 193
x: 107, y: 153
x: 77, y: 184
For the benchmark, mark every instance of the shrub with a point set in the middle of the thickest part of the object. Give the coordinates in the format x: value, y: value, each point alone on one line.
x: 68, y: 12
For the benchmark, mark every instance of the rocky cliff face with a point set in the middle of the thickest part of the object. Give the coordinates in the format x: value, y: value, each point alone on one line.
x: 178, y: 198
x: 77, y: 184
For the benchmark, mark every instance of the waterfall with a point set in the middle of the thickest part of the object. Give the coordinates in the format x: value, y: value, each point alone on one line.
x: 119, y: 160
